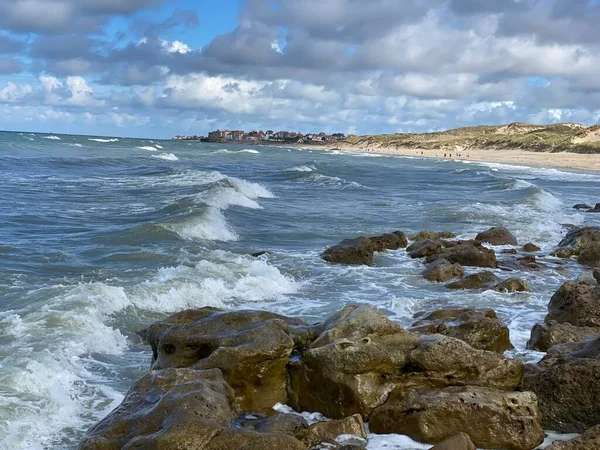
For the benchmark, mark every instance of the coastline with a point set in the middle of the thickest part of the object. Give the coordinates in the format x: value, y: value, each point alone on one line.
x: 562, y: 160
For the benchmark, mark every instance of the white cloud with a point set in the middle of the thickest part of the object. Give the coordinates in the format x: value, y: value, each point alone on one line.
x: 13, y: 93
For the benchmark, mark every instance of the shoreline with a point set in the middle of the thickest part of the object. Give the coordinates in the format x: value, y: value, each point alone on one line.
x: 562, y: 160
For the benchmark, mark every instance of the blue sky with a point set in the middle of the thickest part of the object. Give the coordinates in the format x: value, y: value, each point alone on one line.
x: 155, y: 68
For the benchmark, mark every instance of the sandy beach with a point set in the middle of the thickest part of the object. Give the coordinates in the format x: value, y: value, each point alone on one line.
x: 564, y: 160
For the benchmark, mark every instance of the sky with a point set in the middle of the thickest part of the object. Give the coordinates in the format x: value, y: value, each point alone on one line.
x: 157, y: 68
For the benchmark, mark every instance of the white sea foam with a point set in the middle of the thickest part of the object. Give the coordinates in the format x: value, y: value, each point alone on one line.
x: 52, y: 138
x: 158, y: 146
x: 75, y: 145
x: 211, y: 226
x: 107, y: 140
x: 148, y: 148
x: 246, y: 150
x: 302, y: 169
x: 166, y: 157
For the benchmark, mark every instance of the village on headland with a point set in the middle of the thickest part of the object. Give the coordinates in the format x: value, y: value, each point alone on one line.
x: 288, y: 137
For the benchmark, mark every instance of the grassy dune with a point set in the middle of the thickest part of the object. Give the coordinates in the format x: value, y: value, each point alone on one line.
x: 541, y: 138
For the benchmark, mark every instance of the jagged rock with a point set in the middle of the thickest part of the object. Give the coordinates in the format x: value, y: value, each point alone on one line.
x: 497, y: 236
x: 596, y: 274
x: 481, y: 280
x: 578, y: 239
x: 590, y: 440
x: 567, y: 383
x: 513, y: 285
x: 547, y: 335
x: 441, y: 271
x: 531, y: 248
x: 460, y: 441
x: 357, y: 251
x: 563, y: 253
x: 466, y: 253
x: 362, y: 356
x: 590, y: 255
x: 328, y: 432
x: 480, y: 328
x: 391, y: 241
x: 252, y: 349
x: 582, y: 206
x: 577, y: 303
x: 431, y: 235
x: 491, y: 418
x: 421, y: 249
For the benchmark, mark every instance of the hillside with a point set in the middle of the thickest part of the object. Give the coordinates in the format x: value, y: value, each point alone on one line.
x: 566, y: 137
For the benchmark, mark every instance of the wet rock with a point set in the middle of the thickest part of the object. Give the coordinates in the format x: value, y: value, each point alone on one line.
x: 281, y: 423
x: 596, y: 209
x: 563, y: 252
x: 531, y: 248
x: 357, y: 251
x: 441, y: 271
x: 481, y: 280
x: 480, y: 328
x: 431, y: 235
x: 259, y: 254
x: 251, y: 348
x: 509, y: 251
x: 596, y: 274
x: 491, y: 418
x: 590, y: 255
x: 391, y: 241
x: 497, y: 236
x: 362, y: 356
x: 513, y: 285
x: 421, y: 249
x: 328, y: 432
x: 578, y: 239
x: 577, y: 303
x: 590, y: 440
x: 582, y: 206
x: 529, y: 262
x: 247, y: 440
x: 460, y: 441
x: 465, y: 253
x: 567, y: 383
x: 551, y: 333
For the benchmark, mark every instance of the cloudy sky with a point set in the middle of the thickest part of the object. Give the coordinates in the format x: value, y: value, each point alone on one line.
x: 154, y: 68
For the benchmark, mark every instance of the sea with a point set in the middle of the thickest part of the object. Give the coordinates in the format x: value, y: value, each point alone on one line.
x: 99, y: 237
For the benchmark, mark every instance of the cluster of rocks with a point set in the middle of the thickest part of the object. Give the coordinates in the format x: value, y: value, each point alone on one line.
x: 584, y: 243
x: 588, y: 208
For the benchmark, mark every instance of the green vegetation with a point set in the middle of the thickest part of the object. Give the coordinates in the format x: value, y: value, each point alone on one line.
x: 543, y: 138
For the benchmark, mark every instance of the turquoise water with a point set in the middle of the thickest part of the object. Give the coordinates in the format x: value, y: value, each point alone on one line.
x: 99, y: 237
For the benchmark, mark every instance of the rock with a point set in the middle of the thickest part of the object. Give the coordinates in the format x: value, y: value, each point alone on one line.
x: 328, y: 432
x: 577, y: 303
x: 551, y: 333
x: 244, y: 440
x: 465, y: 253
x: 531, y: 248
x: 596, y: 274
x: 421, y: 249
x: 481, y: 280
x: 460, y: 441
x: 513, y: 285
x: 590, y: 255
x: 281, y: 423
x: 252, y: 349
x: 578, y: 239
x: 441, y: 271
x: 480, y: 328
x: 491, y: 418
x: 563, y: 252
x: 582, y: 206
x: 431, y: 235
x: 567, y: 383
x: 509, y: 251
x: 161, y: 406
x: 497, y: 236
x: 361, y: 356
x: 391, y: 241
x: 259, y: 254
x: 357, y: 251
x: 529, y: 262
x: 590, y: 440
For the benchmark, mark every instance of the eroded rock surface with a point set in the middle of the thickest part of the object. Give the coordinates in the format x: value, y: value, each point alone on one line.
x: 497, y: 236
x: 360, y: 251
x: 441, y: 271
x: 481, y: 280
x: 590, y: 440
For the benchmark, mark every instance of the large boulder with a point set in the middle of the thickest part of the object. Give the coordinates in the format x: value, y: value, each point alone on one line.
x: 547, y: 335
x: 590, y: 440
x: 466, y: 253
x: 390, y: 241
x: 329, y: 432
x: 577, y: 239
x: 513, y: 285
x: 480, y: 328
x: 491, y: 418
x: 441, y: 271
x: 481, y: 280
x: 431, y: 235
x: 460, y: 441
x: 251, y: 348
x: 567, y: 383
x: 531, y: 248
x: 178, y: 409
x: 590, y: 255
x: 421, y: 249
x: 362, y: 356
x: 497, y: 236
x: 356, y: 252
x: 577, y: 303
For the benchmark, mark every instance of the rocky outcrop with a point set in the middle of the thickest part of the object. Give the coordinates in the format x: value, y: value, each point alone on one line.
x: 531, y: 248
x: 441, y: 271
x: 328, y: 432
x: 497, y: 236
x: 567, y: 383
x: 513, y: 285
x: 460, y: 441
x: 491, y: 418
x: 583, y: 243
x: 431, y: 235
x: 481, y: 280
x: 251, y: 348
x: 480, y: 328
x: 573, y: 315
x: 360, y: 251
x: 421, y: 249
x: 465, y: 253
x: 590, y: 440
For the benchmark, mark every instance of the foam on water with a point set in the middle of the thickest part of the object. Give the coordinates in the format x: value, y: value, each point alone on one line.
x: 166, y: 157
x: 209, y: 226
x: 147, y: 148
x: 302, y: 169
x: 52, y: 138
x: 102, y: 140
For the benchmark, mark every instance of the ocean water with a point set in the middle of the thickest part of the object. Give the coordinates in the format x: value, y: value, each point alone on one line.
x: 99, y: 237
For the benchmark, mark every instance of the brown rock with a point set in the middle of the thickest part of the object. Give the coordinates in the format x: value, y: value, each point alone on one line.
x: 582, y: 206
x: 578, y: 239
x: 497, y: 236
x: 431, y: 235
x: 328, y: 432
x: 460, y: 441
x: 441, y: 271
x: 596, y: 274
x: 357, y: 251
x: 491, y: 418
x: 231, y: 439
x: 466, y: 253
x: 421, y: 249
x: 391, y: 241
x: 531, y: 248
x: 251, y: 348
x: 563, y: 252
x: 509, y: 251
x: 577, y: 303
x: 513, y: 285
x: 480, y: 328
x: 590, y: 255
x: 547, y: 335
x: 590, y: 440
x: 281, y: 423
x: 481, y: 280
